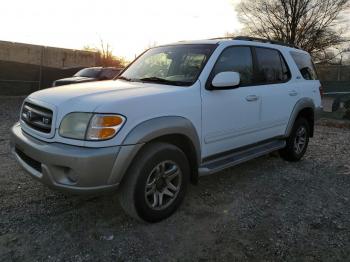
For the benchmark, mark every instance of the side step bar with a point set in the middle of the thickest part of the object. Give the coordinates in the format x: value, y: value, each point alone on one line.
x: 240, y: 157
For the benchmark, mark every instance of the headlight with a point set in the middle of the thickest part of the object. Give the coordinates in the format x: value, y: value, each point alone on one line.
x: 74, y: 125
x: 87, y: 126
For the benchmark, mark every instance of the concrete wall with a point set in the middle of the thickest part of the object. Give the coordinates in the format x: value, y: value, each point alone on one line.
x: 46, y: 56
x: 27, y: 68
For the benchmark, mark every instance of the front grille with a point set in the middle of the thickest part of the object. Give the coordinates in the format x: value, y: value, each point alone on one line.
x: 28, y: 160
x: 37, y: 117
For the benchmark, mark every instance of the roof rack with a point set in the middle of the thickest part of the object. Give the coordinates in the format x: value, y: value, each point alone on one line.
x: 256, y: 39
x: 222, y: 37
x: 263, y: 40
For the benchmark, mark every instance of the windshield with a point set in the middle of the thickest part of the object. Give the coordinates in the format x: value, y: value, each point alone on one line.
x: 89, y: 72
x: 173, y: 65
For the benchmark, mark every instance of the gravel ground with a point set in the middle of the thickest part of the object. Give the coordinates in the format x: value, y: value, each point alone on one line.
x: 263, y: 210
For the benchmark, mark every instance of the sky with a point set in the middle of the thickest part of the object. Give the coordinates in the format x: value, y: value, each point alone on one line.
x: 128, y: 26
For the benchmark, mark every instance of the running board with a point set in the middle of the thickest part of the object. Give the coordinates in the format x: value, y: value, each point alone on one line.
x: 240, y: 157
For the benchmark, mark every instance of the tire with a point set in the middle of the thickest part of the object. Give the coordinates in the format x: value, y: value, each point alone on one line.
x: 297, y: 142
x: 145, y: 192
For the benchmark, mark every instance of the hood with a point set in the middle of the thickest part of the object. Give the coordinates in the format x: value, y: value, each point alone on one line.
x: 88, y: 96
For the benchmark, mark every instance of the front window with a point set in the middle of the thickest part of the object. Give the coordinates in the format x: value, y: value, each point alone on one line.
x: 236, y: 59
x: 172, y: 65
x: 89, y: 72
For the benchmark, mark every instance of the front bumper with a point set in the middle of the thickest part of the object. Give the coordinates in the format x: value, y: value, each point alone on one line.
x: 70, y: 168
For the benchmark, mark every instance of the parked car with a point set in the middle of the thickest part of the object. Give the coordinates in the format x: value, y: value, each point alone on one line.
x: 88, y: 75
x: 178, y: 112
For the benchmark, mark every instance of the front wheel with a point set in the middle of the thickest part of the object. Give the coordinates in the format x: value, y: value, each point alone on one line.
x: 155, y: 185
x: 297, y: 142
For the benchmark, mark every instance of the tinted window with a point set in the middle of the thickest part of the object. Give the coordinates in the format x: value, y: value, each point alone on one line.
x: 109, y: 73
x: 236, y: 59
x: 271, y: 67
x: 89, y: 72
x: 305, y: 65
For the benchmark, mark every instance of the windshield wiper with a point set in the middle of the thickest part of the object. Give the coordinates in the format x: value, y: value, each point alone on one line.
x: 154, y: 79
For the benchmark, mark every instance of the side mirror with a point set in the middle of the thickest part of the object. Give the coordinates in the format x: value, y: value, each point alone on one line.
x: 226, y: 80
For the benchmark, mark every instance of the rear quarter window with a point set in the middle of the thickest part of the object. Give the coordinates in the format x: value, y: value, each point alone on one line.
x: 305, y: 65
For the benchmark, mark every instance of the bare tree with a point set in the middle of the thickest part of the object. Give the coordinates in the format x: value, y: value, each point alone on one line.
x: 338, y: 55
x: 106, y: 57
x: 313, y: 25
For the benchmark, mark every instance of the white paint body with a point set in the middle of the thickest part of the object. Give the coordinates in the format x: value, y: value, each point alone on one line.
x: 223, y: 119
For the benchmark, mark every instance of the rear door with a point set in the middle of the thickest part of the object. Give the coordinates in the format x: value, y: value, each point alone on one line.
x: 278, y: 93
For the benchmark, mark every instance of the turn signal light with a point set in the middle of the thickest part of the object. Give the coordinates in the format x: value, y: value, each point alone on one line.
x: 101, y: 133
x: 103, y: 127
x: 108, y: 121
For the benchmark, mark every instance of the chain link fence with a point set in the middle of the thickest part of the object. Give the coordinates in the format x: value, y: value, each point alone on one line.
x: 335, y: 80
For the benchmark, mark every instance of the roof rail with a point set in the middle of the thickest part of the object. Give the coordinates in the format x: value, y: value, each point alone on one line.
x: 263, y: 40
x: 221, y: 37
x: 256, y: 39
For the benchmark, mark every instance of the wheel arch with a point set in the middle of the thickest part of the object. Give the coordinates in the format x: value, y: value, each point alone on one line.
x: 305, y: 107
x: 175, y: 130
x: 185, y: 144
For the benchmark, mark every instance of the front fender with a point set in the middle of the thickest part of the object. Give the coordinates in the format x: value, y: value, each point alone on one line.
x: 161, y: 126
x: 147, y: 131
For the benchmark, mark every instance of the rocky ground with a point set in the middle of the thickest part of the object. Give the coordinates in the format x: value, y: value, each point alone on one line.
x: 263, y: 210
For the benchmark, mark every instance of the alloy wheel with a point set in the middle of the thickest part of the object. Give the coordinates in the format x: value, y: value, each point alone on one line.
x: 163, y: 185
x: 300, y: 139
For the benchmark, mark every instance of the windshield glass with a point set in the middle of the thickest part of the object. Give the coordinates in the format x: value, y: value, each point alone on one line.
x: 173, y: 65
x: 89, y: 72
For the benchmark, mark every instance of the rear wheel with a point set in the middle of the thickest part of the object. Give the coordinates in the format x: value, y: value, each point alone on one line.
x: 297, y: 142
x: 156, y: 183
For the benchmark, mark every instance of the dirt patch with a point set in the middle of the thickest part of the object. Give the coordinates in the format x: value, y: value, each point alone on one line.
x: 263, y: 210
x: 334, y: 123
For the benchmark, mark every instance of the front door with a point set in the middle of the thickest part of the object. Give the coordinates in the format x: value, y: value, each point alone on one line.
x: 230, y: 118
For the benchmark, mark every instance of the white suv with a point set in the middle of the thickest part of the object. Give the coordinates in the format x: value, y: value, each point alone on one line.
x: 177, y: 112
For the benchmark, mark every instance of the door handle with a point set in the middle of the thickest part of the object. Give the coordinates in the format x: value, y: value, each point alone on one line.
x: 293, y: 93
x: 251, y: 98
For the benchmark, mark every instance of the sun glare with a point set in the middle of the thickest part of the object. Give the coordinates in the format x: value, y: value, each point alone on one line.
x: 128, y: 26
